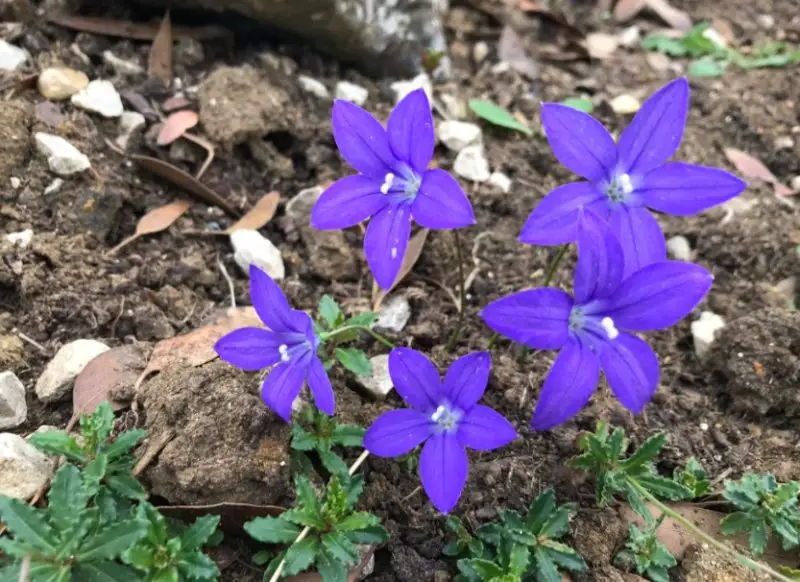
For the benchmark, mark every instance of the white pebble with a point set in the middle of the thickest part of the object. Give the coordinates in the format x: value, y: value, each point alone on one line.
x: 251, y: 248
x: 311, y: 85
x: 13, y: 409
x: 471, y: 164
x: 23, y: 469
x: 54, y: 186
x: 501, y: 182
x: 99, y: 96
x: 130, y: 122
x: 796, y: 184
x: 704, y: 330
x: 351, y: 92
x: 63, y: 158
x: 122, y: 66
x: 21, y: 239
x: 480, y: 51
x: 15, y: 182
x: 394, y: 314
x: 380, y: 383
x: 625, y: 104
x: 457, y: 135
x: 69, y: 361
x: 403, y: 88
x: 11, y: 57
x: 678, y: 248
x: 629, y: 38
x: 784, y: 142
x: 59, y: 83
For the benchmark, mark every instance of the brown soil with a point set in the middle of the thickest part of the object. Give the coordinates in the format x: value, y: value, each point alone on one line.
x: 735, y: 412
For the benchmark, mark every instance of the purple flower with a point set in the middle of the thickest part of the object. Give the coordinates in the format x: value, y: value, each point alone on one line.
x: 289, y: 346
x: 443, y: 415
x: 626, y: 178
x: 593, y: 328
x: 393, y: 184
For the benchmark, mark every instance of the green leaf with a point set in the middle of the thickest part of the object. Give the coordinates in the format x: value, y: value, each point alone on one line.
x: 786, y: 530
x: 100, y: 423
x: 540, y: 510
x: 111, y: 541
x: 140, y: 556
x: 126, y: 485
x: 758, y: 537
x: 694, y: 477
x: 104, y: 571
x: 491, y: 533
x: 579, y: 103
x: 734, y: 523
x: 706, y: 67
x: 557, y: 524
x: 348, y: 435
x: 374, y: 534
x: 518, y: 560
x: 300, y: 556
x: 14, y: 548
x: 95, y: 471
x: 273, y: 530
x: 546, y: 570
x: 664, y: 488
x: 306, y: 496
x: 329, y: 569
x: 124, y: 443
x: 646, y: 453
x: 340, y: 548
x: 198, y: 533
x: 496, y: 115
x: 67, y: 497
x: 45, y: 572
x: 303, y: 516
x: 330, y: 312
x: 27, y: 524
x: 302, y: 440
x: 357, y: 521
x: 366, y: 319
x: 58, y: 443
x: 564, y: 556
x: 657, y: 574
x: 664, y: 44
x: 354, y: 360
x: 261, y: 558
x: 485, y: 568
x: 195, y: 565
x: 332, y: 462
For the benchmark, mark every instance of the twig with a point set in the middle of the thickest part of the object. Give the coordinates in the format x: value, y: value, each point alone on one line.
x: 206, y: 145
x: 31, y: 341
x: 227, y: 277
x: 152, y: 452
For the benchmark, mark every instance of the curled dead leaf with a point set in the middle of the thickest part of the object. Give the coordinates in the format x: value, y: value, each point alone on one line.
x: 155, y: 221
x: 159, y: 62
x: 259, y: 215
x: 754, y: 169
x: 624, y: 10
x: 176, y: 125
x: 413, y: 253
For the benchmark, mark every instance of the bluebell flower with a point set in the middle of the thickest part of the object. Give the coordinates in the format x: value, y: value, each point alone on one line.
x: 289, y: 345
x: 393, y: 183
x: 594, y: 329
x: 625, y: 179
x: 445, y: 416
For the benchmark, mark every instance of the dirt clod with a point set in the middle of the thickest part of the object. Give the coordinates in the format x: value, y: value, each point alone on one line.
x: 704, y: 564
x: 16, y: 117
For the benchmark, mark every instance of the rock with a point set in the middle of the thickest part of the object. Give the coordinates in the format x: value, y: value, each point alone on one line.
x: 69, y: 361
x: 122, y: 66
x: 130, y: 123
x: 601, y: 45
x: 23, y: 469
x: 22, y: 238
x: 380, y: 383
x: 394, y: 314
x: 702, y: 563
x: 11, y: 57
x: 54, y: 186
x: 13, y: 409
x: 15, y: 182
x: 456, y: 108
x: 59, y: 83
x: 597, y: 535
x: 311, y: 85
x: 457, y: 135
x: 795, y: 183
x: 704, y: 330
x: 351, y: 92
x: 784, y: 142
x: 754, y: 364
x: 237, y: 103
x: 501, y: 182
x: 251, y: 248
x: 625, y: 104
x: 16, y: 117
x: 766, y: 21
x: 63, y: 158
x: 99, y: 96
x: 151, y: 324
x: 403, y: 88
x: 12, y: 352
x: 471, y: 164
x: 246, y: 462
x: 630, y: 37
x: 659, y: 62
x: 678, y: 248
x: 480, y: 51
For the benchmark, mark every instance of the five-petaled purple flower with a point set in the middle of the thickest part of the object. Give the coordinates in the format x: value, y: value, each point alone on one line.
x: 393, y: 184
x: 592, y: 330
x: 626, y: 178
x: 289, y: 346
x: 444, y: 415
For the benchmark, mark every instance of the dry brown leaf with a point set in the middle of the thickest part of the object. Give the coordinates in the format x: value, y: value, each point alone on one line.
x: 413, y: 253
x: 511, y: 50
x: 601, y: 45
x: 155, y: 221
x: 751, y: 167
x: 627, y: 9
x: 135, y: 30
x: 159, y: 62
x: 176, y: 125
x: 174, y: 103
x: 259, y: 215
x: 677, y: 19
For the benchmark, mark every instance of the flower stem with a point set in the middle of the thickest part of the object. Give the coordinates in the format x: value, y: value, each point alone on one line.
x: 331, y: 334
x: 699, y: 533
x: 306, y: 530
x: 462, y: 295
x: 551, y: 268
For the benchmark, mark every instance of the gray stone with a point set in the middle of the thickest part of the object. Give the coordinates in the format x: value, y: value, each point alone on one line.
x: 311, y: 85
x: 13, y: 409
x: 457, y: 135
x: 403, y: 88
x: 122, y: 66
x: 678, y: 248
x: 130, y: 123
x: 63, y: 158
x: 471, y: 164
x: 351, y: 92
x: 23, y: 469
x: 501, y: 182
x: 394, y: 314
x: 21, y: 239
x: 69, y: 361
x: 11, y: 57
x: 251, y: 248
x: 99, y: 96
x: 380, y: 383
x: 704, y: 331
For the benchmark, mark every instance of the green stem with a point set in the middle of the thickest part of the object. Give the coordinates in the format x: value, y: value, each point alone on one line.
x: 722, y: 547
x: 332, y: 334
x: 551, y: 269
x: 462, y: 295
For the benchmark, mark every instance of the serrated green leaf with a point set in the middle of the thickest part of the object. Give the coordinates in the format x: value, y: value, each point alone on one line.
x: 375, y: 534
x: 103, y: 571
x: 330, y: 312
x: 357, y: 521
x: 790, y: 573
x: 646, y: 453
x: 303, y: 516
x: 307, y: 499
x: 786, y: 531
x: 518, y: 560
x: 365, y: 319
x: 126, y: 485
x: 199, y: 532
x: 354, y: 360
x: 664, y: 44
x: 734, y: 523
x: 44, y: 572
x: 340, y: 548
x: 14, y: 548
x: 706, y: 67
x: 302, y: 440
x: 95, y: 471
x: 329, y: 569
x: 111, y: 541
x: 300, y: 556
x: 637, y: 503
x: 332, y: 462
x: 743, y: 495
x: 140, y: 556
x: 273, y: 530
x: 579, y: 103
x: 496, y: 115
x: 546, y: 570
x: 27, y: 524
x: 124, y: 443
x: 491, y: 533
x: 758, y: 537
x: 564, y: 556
x: 58, y: 443
x: 262, y: 557
x: 540, y: 510
x: 348, y: 435
x: 67, y: 497
x: 195, y: 565
x: 663, y: 487
x: 355, y: 487
x: 657, y: 574
x: 557, y: 525
x: 484, y: 568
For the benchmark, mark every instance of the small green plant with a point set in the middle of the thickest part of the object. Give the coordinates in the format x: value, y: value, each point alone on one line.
x: 334, y: 529
x: 162, y: 557
x: 321, y: 434
x: 517, y: 548
x: 694, y: 478
x: 102, y: 460
x: 763, y: 505
x: 69, y: 540
x: 496, y: 115
x: 644, y: 553
x: 333, y: 328
x: 579, y: 103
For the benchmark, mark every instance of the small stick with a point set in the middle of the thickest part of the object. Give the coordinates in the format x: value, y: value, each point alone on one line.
x: 152, y: 452
x: 31, y: 341
x: 206, y: 145
x: 227, y: 277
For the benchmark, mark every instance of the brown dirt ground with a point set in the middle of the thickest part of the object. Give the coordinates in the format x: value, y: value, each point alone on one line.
x: 63, y: 288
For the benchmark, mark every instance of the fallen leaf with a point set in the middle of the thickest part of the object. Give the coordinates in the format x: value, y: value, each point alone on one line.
x: 233, y: 515
x: 677, y: 19
x: 496, y: 115
x: 155, y: 221
x: 511, y: 50
x: 186, y: 182
x: 754, y: 169
x: 725, y: 30
x: 135, y: 30
x: 413, y: 253
x: 176, y: 102
x: 627, y: 9
x: 159, y: 62
x: 601, y: 45
x: 176, y: 125
x: 259, y: 215
x: 579, y: 103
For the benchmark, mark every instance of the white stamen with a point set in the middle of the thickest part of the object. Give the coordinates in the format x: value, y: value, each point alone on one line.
x: 608, y: 325
x: 624, y: 181
x: 394, y: 252
x: 439, y: 413
x: 387, y: 183
x: 283, y: 350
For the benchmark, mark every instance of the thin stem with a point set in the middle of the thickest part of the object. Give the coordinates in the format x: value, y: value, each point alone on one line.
x: 551, y: 269
x: 462, y: 295
x: 722, y: 547
x: 370, y: 331
x: 306, y: 530
x: 492, y: 341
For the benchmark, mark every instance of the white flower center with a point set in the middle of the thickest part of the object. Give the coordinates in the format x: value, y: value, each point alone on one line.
x: 283, y: 350
x: 619, y: 188
x: 394, y: 252
x: 608, y: 325
x: 447, y: 419
x: 388, y: 180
